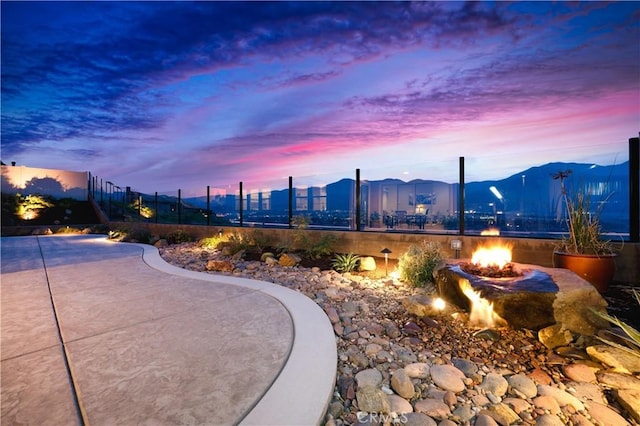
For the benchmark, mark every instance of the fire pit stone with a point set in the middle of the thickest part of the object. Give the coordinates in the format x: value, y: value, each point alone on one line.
x: 539, y: 297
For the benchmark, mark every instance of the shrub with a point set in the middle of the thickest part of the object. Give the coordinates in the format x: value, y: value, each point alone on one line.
x: 136, y: 235
x: 345, y: 262
x: 323, y: 246
x: 418, y: 263
x: 210, y: 242
x: 178, y: 237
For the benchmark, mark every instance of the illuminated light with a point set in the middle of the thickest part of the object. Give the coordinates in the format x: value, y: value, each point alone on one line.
x: 482, y: 313
x: 439, y: 304
x: 492, y: 255
x: 491, y: 232
x: 395, y: 275
x: 496, y: 192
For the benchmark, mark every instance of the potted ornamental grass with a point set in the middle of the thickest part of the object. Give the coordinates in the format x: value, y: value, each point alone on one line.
x: 584, y: 250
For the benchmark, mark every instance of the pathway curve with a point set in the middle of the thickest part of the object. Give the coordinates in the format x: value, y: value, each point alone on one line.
x: 96, y: 332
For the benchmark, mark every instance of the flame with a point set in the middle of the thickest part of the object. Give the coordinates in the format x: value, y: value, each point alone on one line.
x: 491, y: 231
x: 482, y: 313
x: 496, y: 254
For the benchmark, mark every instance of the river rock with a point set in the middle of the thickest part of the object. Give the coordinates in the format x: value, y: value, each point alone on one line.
x: 605, y: 415
x: 549, y: 420
x: 495, y: 384
x: 418, y: 370
x: 485, y: 419
x: 420, y: 305
x: 579, y: 372
x: 523, y: 385
x: 586, y: 391
x: 289, y: 259
x: 401, y: 384
x: 505, y: 413
x: 372, y: 400
x: 447, y: 377
x: 563, y: 398
x: 219, y: 266
x: 548, y: 403
x: 417, y: 419
x: 433, y: 408
x: 399, y: 405
x: 369, y: 377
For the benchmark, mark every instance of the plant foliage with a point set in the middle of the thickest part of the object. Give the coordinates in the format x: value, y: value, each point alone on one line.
x: 345, y: 262
x: 583, y: 221
x: 632, y: 336
x: 417, y: 264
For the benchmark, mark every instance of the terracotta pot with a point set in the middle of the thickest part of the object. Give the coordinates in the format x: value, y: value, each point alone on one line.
x: 597, y: 270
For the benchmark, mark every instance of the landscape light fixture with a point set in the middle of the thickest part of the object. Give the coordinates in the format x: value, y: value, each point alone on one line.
x: 386, y: 252
x: 456, y: 245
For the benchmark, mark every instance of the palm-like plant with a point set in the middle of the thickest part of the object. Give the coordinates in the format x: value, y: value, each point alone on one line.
x: 632, y: 336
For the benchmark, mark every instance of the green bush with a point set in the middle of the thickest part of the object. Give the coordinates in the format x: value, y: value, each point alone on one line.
x: 631, y: 338
x: 345, y: 262
x: 136, y: 235
x: 178, y: 237
x: 321, y: 247
x: 210, y: 242
x: 418, y: 263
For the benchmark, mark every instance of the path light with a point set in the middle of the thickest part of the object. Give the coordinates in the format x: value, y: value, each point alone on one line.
x: 456, y: 245
x: 386, y: 252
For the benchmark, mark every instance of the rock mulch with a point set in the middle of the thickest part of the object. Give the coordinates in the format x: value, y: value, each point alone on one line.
x: 398, y: 368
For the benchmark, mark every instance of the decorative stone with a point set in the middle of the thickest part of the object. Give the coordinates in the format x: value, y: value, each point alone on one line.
x: 539, y: 298
x: 505, y: 412
x: 554, y: 336
x: 219, y: 266
x: 433, y: 408
x: 418, y: 419
x: 495, y: 383
x: 418, y: 370
x: 618, y: 381
x: 585, y: 391
x: 523, y: 384
x: 372, y: 400
x: 547, y: 402
x: 561, y: 396
x: 447, y: 377
x: 399, y: 405
x: 449, y: 398
x: 289, y: 259
x: 464, y: 413
x: 332, y: 314
x: 372, y: 349
x: 420, y: 305
x: 579, y: 372
x: 469, y: 368
x: 621, y: 361
x: 161, y: 243
x: 369, y: 377
x: 518, y: 405
x: 485, y: 419
x: 605, y: 415
x: 401, y: 384
x: 549, y: 420
x: 629, y: 399
x: 540, y: 377
x: 367, y: 263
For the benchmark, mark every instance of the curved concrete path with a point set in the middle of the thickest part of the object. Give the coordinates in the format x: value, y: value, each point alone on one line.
x: 96, y: 332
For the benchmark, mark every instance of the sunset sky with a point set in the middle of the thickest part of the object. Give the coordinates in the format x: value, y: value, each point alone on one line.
x: 160, y: 96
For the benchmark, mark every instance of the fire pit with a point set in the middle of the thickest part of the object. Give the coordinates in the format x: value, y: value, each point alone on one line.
x: 499, y: 292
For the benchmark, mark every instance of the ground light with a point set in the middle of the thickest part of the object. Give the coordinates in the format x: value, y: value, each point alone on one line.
x: 386, y: 252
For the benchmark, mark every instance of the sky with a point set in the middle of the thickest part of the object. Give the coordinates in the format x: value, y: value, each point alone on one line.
x: 162, y: 95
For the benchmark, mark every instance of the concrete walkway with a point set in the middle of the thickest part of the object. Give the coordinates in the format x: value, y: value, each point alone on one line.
x: 103, y: 333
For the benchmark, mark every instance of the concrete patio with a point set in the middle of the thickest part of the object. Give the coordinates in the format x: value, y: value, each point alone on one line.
x: 97, y: 332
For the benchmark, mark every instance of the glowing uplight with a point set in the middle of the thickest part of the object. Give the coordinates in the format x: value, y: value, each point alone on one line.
x: 395, y: 275
x: 490, y: 232
x: 493, y: 255
x: 482, y: 313
x: 439, y: 304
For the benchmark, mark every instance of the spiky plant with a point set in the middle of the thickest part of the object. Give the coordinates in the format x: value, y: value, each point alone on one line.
x: 631, y: 337
x: 345, y: 262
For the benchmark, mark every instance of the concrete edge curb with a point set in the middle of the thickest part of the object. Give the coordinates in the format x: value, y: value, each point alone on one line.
x: 302, y: 392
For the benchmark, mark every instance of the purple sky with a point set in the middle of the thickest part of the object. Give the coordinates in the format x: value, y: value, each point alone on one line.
x: 160, y: 96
